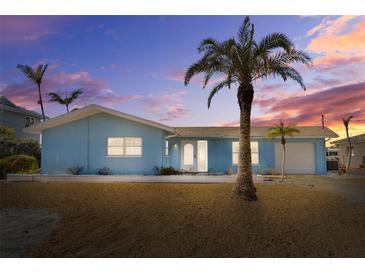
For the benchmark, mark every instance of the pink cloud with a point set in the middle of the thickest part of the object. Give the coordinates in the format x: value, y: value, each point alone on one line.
x: 167, y: 106
x: 95, y: 91
x: 306, y: 110
x: 29, y: 28
x: 338, y: 42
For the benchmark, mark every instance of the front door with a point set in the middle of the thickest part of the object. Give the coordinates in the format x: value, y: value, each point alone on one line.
x: 194, y: 155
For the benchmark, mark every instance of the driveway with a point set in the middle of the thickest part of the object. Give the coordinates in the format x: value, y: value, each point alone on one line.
x: 352, y: 188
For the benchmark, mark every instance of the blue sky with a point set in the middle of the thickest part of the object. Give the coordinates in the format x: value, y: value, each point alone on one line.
x: 136, y: 63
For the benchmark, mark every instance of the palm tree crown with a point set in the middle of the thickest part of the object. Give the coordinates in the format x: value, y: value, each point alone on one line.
x: 244, y: 60
x: 36, y: 76
x: 282, y: 131
x: 67, y: 100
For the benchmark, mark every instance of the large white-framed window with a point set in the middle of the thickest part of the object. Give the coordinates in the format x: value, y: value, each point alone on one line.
x: 254, y: 152
x: 124, y: 146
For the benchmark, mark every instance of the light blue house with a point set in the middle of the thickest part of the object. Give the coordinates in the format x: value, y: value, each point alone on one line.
x: 94, y: 137
x: 13, y: 116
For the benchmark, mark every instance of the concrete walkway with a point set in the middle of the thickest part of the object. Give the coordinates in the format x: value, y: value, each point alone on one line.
x: 196, y: 179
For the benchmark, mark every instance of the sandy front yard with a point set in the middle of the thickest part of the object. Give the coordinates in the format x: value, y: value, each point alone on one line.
x: 185, y: 220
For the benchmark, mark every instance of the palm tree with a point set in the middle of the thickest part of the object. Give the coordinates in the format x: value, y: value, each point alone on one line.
x: 346, y: 122
x: 67, y: 100
x: 36, y: 76
x: 282, y: 131
x: 242, y: 62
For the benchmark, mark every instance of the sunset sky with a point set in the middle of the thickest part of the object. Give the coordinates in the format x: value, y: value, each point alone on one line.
x: 136, y: 64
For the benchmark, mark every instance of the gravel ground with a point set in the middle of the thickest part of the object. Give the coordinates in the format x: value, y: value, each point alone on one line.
x: 22, y: 229
x: 185, y: 220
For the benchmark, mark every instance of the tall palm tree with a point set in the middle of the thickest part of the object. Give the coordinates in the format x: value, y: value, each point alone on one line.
x: 282, y: 131
x: 346, y: 122
x: 36, y: 76
x: 67, y: 100
x: 242, y: 62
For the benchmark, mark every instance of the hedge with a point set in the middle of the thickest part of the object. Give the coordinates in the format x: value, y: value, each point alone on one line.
x: 18, y: 164
x: 17, y: 147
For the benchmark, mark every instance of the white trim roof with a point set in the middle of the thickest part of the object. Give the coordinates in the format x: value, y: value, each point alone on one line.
x: 354, y: 139
x: 6, y: 104
x: 233, y: 132
x: 218, y: 132
x: 89, y: 111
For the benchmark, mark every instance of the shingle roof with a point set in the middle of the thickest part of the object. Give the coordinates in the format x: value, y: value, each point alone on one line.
x: 313, y: 131
x: 354, y: 139
x: 6, y: 104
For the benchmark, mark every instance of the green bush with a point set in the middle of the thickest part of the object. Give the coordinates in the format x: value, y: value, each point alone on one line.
x: 18, y: 164
x: 104, y: 171
x: 7, y: 133
x: 166, y: 171
x: 16, y: 147
x: 75, y: 170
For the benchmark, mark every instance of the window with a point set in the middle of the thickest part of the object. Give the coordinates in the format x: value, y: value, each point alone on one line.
x: 29, y: 121
x: 254, y: 152
x: 166, y: 148
x: 235, y: 150
x: 124, y: 146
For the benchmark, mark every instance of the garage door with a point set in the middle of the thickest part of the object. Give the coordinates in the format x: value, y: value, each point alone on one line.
x: 299, y: 158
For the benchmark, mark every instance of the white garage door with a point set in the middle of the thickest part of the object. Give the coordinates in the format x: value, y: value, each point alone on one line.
x: 299, y: 158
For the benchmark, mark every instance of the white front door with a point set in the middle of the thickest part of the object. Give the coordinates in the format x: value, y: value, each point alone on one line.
x: 194, y: 155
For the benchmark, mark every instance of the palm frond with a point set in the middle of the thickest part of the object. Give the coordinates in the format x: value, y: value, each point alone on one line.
x: 217, y: 88
x: 54, y: 97
x: 76, y: 93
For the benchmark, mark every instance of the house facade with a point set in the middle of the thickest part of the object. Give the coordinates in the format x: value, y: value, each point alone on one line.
x: 94, y: 137
x: 357, y: 152
x: 16, y: 117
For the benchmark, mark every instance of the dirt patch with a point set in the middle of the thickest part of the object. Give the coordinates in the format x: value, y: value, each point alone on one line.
x: 22, y: 229
x: 181, y: 220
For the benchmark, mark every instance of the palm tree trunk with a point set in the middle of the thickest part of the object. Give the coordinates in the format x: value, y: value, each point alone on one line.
x: 244, y: 184
x: 350, y: 151
x: 41, y: 102
x: 283, y: 164
x: 67, y: 108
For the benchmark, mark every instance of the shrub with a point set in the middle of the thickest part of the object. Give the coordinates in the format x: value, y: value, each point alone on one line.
x: 18, y: 164
x: 228, y: 171
x: 7, y: 132
x: 75, y: 170
x: 104, y: 171
x: 17, y: 147
x: 166, y: 171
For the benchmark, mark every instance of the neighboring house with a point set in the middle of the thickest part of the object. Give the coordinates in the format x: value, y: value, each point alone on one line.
x: 16, y: 117
x: 96, y: 137
x: 358, y: 151
x: 332, y: 158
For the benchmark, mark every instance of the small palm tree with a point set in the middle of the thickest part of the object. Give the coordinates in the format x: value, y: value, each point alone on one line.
x: 242, y: 62
x: 281, y: 131
x: 67, y: 100
x: 346, y: 122
x: 36, y: 76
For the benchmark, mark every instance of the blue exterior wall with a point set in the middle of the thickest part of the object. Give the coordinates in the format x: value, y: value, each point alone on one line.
x: 84, y: 143
x: 220, y: 154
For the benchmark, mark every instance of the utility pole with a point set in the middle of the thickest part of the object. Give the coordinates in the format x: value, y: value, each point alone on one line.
x: 322, y: 121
